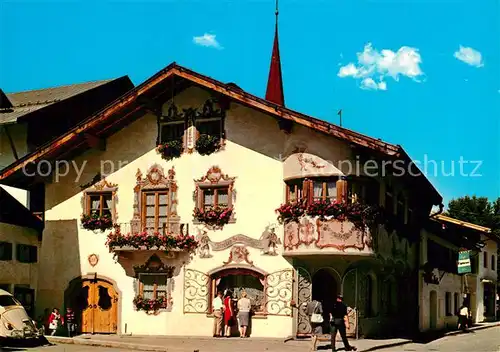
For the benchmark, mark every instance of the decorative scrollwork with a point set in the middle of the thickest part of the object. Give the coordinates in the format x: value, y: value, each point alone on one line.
x: 304, y: 297
x: 279, y: 288
x: 196, y: 291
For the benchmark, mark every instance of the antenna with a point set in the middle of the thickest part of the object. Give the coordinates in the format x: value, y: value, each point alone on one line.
x: 340, y: 115
x: 277, y: 12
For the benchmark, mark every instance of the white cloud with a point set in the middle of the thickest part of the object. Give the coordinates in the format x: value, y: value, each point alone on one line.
x: 385, y: 63
x: 208, y: 40
x: 370, y: 84
x: 469, y: 56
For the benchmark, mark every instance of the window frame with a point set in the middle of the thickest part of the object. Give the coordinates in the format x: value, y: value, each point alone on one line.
x: 307, y: 189
x: 32, y: 252
x: 100, y: 188
x: 7, y: 247
x: 214, y: 179
x: 155, y: 180
x: 209, y: 113
x: 485, y: 260
x: 163, y: 124
x: 203, y: 189
x: 447, y: 304
x: 157, y: 193
x: 493, y: 262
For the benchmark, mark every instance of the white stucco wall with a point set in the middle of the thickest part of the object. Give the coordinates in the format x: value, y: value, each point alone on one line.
x: 485, y: 274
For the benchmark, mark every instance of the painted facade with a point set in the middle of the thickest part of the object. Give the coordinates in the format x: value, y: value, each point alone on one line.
x: 280, y: 265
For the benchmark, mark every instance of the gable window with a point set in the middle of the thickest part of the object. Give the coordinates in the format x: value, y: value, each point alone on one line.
x: 155, y: 202
x: 172, y: 131
x: 210, y: 120
x: 27, y: 253
x: 5, y: 251
x: 155, y: 210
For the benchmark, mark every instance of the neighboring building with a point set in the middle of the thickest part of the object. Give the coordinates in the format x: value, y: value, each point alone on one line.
x: 441, y: 289
x: 269, y: 155
x: 30, y: 119
x: 20, y: 240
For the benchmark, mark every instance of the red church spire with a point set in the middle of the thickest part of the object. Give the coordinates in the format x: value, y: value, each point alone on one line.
x: 274, y: 91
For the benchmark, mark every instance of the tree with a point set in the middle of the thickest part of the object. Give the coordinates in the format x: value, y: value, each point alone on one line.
x: 476, y: 210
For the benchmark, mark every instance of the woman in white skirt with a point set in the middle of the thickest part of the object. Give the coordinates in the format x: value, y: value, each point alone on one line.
x: 244, y: 306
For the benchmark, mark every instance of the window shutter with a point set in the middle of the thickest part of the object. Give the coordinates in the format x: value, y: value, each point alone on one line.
x: 287, y: 193
x: 308, y: 191
x: 342, y: 190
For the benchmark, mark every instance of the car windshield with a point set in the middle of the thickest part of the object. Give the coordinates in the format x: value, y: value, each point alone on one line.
x: 6, y: 301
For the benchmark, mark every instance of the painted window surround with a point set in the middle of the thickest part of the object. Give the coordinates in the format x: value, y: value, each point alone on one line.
x: 100, y: 188
x: 215, y: 179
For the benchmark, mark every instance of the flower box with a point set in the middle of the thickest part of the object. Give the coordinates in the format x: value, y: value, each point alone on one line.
x: 207, y: 144
x: 170, y: 150
x: 150, y: 305
x: 96, y: 222
x: 150, y: 241
x: 215, y: 216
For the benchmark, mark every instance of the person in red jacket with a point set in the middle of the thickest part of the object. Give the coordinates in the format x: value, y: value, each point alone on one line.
x: 55, y: 320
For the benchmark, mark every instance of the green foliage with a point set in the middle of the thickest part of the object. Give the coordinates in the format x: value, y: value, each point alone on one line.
x: 476, y: 210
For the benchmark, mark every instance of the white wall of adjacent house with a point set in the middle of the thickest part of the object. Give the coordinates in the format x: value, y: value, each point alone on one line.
x: 487, y: 276
x: 252, y: 155
x: 438, y: 302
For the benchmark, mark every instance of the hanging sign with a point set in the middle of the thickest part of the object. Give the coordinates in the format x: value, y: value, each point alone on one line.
x: 464, y: 266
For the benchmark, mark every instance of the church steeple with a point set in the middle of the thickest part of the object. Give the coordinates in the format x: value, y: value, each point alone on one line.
x: 274, y: 92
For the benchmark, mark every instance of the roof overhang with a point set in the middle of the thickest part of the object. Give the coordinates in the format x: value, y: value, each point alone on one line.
x: 169, y: 81
x: 14, y: 213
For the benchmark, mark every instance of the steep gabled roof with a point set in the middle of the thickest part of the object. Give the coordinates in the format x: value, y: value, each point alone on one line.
x: 24, y: 103
x: 172, y: 80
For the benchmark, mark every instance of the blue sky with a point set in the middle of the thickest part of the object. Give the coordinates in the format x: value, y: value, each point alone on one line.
x: 412, y: 86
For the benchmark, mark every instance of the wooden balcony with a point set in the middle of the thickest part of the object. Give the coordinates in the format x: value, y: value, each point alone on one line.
x: 313, y: 236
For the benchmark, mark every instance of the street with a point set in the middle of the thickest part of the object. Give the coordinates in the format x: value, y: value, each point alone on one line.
x: 486, y: 340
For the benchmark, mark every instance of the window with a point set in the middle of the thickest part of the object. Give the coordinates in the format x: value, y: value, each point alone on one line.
x: 211, y: 126
x: 294, y: 191
x: 493, y: 262
x: 215, y: 197
x: 324, y: 190
x: 172, y: 131
x: 5, y: 251
x: 155, y: 210
x: 27, y: 254
x: 99, y: 203
x: 214, y: 190
x: 6, y: 301
x: 237, y: 280
x: 153, y: 286
x: 363, y: 190
x: 5, y: 287
x: 485, y: 259
x: 447, y: 304
x: 455, y: 302
x: 155, y: 202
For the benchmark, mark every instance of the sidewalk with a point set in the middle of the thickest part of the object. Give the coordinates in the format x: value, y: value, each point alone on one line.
x: 209, y: 344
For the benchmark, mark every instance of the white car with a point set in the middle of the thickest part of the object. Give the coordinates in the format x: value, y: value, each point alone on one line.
x: 14, y: 321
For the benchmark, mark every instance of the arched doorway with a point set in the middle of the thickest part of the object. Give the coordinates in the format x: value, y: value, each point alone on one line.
x: 95, y: 303
x: 325, y: 290
x: 433, y: 310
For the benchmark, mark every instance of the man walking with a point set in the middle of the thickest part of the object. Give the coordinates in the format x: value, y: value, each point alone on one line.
x: 340, y: 322
x: 218, y: 309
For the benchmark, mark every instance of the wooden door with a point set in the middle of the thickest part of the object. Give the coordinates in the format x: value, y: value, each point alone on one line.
x: 99, y: 316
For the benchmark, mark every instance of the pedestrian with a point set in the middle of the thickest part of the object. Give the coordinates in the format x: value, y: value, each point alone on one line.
x: 340, y: 322
x: 70, y: 322
x: 55, y: 321
x: 463, y: 317
x: 228, y: 313
x: 314, y: 311
x: 218, y: 309
x: 244, y: 306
